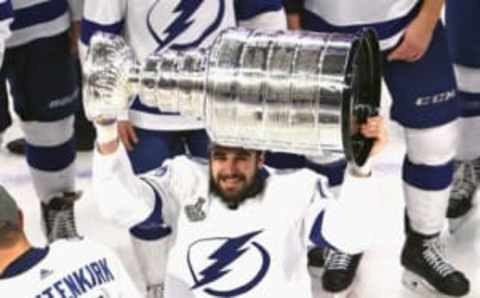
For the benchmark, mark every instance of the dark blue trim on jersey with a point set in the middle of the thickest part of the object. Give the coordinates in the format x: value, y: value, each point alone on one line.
x: 334, y: 171
x: 313, y: 22
x: 428, y: 177
x: 463, y: 31
x: 26, y: 261
x: 51, y: 159
x: 246, y: 9
x: 152, y: 228
x: 89, y: 28
x: 469, y: 103
x: 137, y: 105
x: 6, y: 10
x: 39, y: 13
x: 316, y: 232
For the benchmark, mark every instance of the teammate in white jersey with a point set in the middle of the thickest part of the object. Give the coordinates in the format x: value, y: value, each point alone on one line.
x: 151, y: 135
x: 66, y: 268
x: 419, y: 75
x: 464, y: 42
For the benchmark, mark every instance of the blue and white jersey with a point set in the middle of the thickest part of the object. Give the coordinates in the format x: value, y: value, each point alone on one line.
x: 256, y: 250
x: 35, y: 19
x: 388, y: 17
x: 155, y: 25
x: 68, y: 268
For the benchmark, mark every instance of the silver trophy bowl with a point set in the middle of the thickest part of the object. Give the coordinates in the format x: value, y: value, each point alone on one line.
x: 295, y: 92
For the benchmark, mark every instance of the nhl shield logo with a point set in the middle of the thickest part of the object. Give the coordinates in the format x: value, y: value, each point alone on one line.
x: 195, y: 212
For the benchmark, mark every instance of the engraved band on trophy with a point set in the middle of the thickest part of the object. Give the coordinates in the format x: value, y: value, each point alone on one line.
x: 296, y: 92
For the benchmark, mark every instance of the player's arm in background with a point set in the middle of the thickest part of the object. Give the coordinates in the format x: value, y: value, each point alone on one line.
x: 6, y: 19
x: 419, y: 32
x: 294, y: 8
x: 254, y: 14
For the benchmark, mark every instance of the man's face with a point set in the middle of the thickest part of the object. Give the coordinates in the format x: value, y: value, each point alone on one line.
x: 233, y: 172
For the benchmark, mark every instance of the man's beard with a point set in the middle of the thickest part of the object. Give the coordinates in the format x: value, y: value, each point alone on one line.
x: 248, y: 191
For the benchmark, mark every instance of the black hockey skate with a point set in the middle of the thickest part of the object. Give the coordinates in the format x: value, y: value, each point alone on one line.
x: 426, y: 270
x: 466, y: 178
x: 339, y: 268
x: 59, y: 217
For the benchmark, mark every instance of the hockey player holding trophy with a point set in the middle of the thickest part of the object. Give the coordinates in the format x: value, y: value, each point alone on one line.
x: 241, y: 229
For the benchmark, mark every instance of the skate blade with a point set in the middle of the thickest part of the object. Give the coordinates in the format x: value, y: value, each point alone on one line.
x: 420, y: 286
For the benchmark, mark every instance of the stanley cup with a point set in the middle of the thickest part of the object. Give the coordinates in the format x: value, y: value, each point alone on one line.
x: 296, y: 92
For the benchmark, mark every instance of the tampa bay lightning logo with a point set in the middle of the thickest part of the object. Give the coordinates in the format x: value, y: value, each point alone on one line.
x: 189, y: 23
x: 235, y: 265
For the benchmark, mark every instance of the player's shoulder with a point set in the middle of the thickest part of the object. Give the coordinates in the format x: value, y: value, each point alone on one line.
x: 80, y: 245
x: 299, y: 175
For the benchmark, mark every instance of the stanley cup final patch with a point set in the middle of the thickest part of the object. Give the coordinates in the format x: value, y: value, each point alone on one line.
x: 195, y: 212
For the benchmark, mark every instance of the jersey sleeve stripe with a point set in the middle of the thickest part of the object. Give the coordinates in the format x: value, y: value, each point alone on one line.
x: 316, y: 232
x: 246, y: 9
x: 6, y: 10
x: 152, y: 228
x: 89, y: 28
x: 39, y: 13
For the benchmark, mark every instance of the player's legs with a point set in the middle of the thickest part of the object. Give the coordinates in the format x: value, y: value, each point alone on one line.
x: 279, y: 160
x: 462, y: 21
x: 5, y: 117
x: 84, y: 130
x: 424, y: 102
x: 152, y: 149
x: 44, y: 89
x: 196, y: 142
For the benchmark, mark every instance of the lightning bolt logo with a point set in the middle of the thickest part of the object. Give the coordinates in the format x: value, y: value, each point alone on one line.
x: 183, y: 16
x: 223, y: 257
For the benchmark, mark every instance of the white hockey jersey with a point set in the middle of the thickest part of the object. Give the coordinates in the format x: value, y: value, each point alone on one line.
x: 69, y: 268
x: 42, y: 18
x: 257, y: 250
x: 152, y: 25
x: 388, y: 17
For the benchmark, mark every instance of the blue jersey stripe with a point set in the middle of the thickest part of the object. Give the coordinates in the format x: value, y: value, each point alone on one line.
x: 89, y: 28
x: 153, y: 227
x: 316, y: 232
x: 137, y: 105
x: 39, y: 13
x: 51, y: 159
x: 313, y: 22
x: 246, y: 9
x: 6, y: 10
x: 23, y: 263
x: 428, y: 177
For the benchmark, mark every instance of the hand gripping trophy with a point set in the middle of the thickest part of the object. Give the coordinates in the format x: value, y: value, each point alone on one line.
x: 295, y: 92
